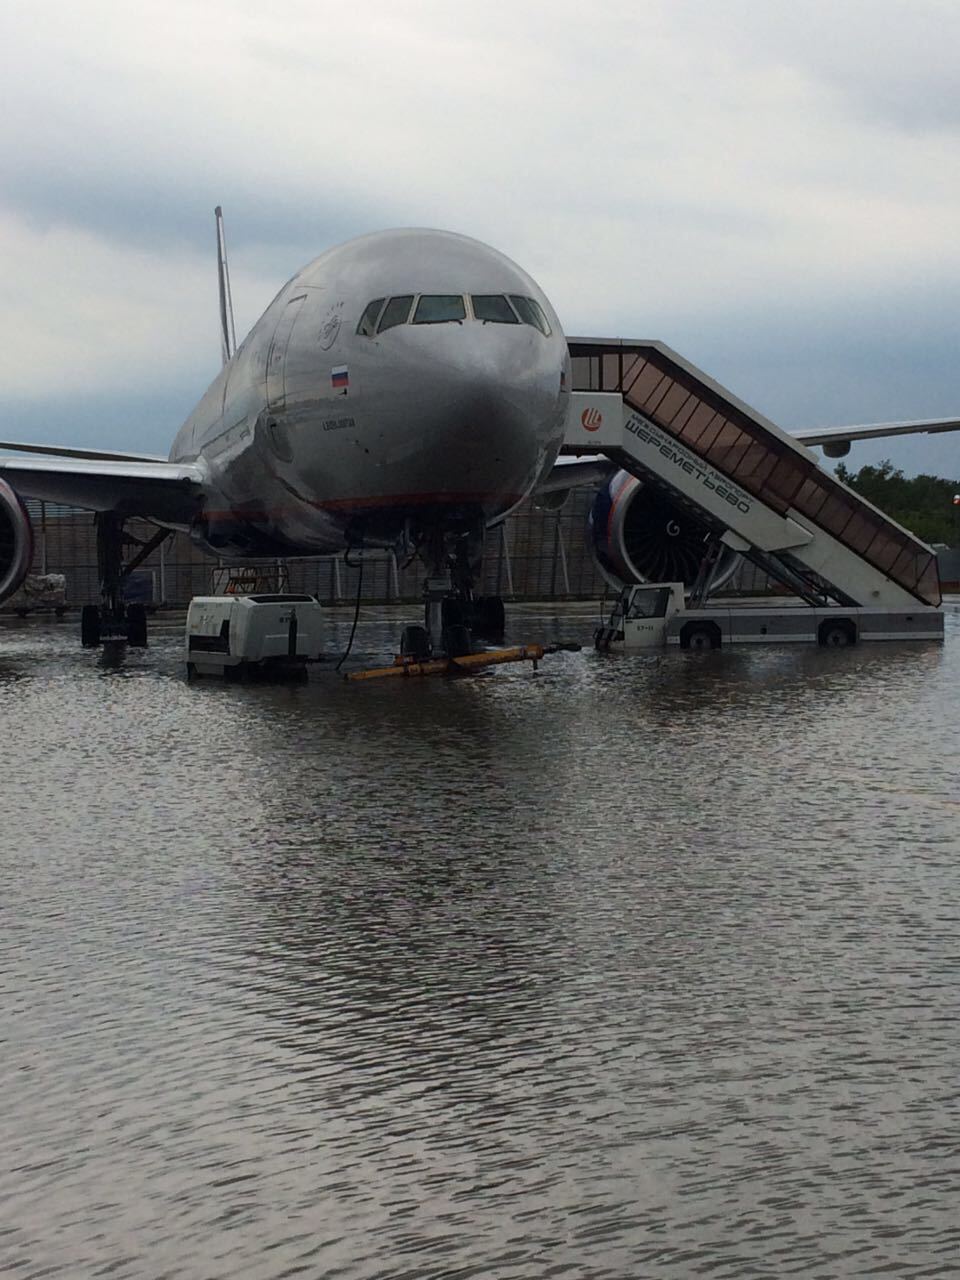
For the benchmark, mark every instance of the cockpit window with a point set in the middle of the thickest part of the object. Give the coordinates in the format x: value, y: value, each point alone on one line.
x: 530, y: 312
x: 446, y: 308
x: 368, y: 321
x: 395, y: 312
x: 439, y: 308
x: 493, y: 308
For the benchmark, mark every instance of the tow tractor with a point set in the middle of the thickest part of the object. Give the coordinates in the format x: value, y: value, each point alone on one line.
x: 656, y: 614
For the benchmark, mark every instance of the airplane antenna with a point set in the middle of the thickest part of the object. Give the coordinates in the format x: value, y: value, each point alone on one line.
x: 228, y: 334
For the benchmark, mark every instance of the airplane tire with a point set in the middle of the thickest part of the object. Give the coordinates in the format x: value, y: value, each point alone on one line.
x: 489, y: 618
x: 415, y: 643
x: 136, y: 626
x: 454, y: 613
x: 456, y: 642
x: 89, y: 626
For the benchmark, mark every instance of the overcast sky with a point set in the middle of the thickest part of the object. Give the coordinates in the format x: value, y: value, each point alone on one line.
x: 770, y: 186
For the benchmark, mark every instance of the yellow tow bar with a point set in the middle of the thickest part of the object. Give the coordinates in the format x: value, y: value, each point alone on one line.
x: 470, y: 662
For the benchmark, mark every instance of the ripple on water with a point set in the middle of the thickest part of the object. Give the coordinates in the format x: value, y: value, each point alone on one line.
x: 630, y: 968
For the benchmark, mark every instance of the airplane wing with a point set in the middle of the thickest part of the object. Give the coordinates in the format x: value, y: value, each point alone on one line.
x: 573, y: 472
x: 873, y: 430
x: 168, y: 492
x: 71, y: 451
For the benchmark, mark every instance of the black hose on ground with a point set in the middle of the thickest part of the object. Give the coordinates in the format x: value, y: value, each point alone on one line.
x: 356, y: 613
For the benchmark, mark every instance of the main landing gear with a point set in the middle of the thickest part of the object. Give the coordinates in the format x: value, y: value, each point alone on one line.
x: 114, y: 621
x: 453, y: 615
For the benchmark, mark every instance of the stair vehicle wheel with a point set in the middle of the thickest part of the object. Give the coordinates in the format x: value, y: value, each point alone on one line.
x: 700, y: 635
x: 415, y: 643
x: 136, y: 626
x: 456, y: 642
x: 837, y: 635
x: 90, y: 626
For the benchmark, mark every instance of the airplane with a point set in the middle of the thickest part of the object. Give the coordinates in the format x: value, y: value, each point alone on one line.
x: 407, y: 389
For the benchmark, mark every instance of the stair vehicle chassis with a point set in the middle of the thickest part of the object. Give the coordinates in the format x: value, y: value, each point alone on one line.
x: 655, y: 616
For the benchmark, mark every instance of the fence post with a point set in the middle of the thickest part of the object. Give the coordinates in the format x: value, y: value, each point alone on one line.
x: 563, y: 557
x: 505, y: 552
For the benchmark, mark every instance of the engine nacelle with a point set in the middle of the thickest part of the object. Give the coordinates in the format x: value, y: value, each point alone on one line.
x: 554, y: 500
x: 16, y: 541
x: 836, y: 448
x: 640, y: 534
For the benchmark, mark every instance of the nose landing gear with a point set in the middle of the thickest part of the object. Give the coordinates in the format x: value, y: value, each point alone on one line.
x: 453, y: 614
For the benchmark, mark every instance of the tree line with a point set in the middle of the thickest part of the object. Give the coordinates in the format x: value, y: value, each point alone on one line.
x: 922, y: 504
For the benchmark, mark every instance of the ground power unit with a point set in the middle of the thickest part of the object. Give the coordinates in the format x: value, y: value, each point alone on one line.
x: 265, y: 635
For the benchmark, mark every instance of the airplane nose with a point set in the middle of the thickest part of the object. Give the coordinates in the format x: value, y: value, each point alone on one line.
x: 463, y: 417
x: 494, y: 401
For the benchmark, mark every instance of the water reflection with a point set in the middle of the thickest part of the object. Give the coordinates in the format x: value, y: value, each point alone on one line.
x: 630, y: 967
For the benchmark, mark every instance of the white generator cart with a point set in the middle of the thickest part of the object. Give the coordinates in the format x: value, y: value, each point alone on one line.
x: 232, y: 636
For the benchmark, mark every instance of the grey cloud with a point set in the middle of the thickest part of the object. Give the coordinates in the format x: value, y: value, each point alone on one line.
x: 142, y: 423
x: 886, y: 61
x: 157, y: 213
x: 831, y: 365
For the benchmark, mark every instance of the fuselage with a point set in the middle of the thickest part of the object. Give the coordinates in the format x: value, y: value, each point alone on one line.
x: 405, y: 379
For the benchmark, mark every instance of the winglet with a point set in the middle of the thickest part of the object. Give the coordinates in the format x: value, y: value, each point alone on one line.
x: 228, y: 335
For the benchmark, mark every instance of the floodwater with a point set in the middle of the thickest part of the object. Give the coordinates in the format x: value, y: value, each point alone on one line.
x: 629, y: 968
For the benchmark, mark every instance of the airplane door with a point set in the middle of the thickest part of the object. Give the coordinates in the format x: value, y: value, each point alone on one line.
x: 277, y: 352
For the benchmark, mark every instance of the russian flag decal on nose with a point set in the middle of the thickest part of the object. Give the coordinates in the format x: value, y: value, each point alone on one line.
x: 340, y: 378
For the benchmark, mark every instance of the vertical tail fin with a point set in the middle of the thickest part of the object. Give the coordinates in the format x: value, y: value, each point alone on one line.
x: 228, y: 335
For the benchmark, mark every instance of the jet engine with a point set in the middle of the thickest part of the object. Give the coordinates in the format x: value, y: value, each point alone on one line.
x: 641, y: 534
x: 16, y: 541
x: 836, y: 448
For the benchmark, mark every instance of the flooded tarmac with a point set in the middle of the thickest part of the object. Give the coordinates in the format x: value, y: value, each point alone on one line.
x: 633, y: 967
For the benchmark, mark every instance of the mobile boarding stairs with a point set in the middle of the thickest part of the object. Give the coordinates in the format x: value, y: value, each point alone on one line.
x: 757, y: 490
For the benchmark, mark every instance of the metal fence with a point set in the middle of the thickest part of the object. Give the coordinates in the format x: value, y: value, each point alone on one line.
x: 949, y: 562
x: 535, y: 554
